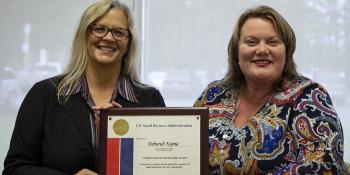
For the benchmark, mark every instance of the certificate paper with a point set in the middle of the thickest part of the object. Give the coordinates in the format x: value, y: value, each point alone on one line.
x: 159, y: 143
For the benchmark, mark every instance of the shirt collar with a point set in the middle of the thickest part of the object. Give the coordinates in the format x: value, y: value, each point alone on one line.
x: 124, y: 87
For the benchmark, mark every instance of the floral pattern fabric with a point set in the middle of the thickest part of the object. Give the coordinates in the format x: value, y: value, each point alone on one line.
x: 296, y: 132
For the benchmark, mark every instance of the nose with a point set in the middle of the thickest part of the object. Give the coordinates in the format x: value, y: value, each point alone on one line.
x: 108, y: 36
x: 262, y: 48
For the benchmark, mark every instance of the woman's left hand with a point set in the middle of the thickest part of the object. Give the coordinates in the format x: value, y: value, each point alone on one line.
x: 106, y: 106
x: 100, y: 107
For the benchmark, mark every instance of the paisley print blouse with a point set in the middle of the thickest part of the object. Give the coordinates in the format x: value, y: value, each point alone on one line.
x: 296, y: 132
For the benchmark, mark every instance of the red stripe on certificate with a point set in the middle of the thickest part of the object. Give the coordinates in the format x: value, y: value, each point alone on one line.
x: 113, y: 156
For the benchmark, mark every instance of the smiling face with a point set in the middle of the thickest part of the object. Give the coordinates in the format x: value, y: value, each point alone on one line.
x: 262, y: 53
x: 107, y: 50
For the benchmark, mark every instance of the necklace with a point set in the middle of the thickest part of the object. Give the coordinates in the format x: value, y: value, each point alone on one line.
x: 236, y: 107
x: 225, y: 136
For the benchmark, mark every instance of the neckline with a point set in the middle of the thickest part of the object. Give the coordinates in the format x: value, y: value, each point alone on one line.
x: 236, y: 106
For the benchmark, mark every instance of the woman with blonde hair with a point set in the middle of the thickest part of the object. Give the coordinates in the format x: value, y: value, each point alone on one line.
x: 56, y: 130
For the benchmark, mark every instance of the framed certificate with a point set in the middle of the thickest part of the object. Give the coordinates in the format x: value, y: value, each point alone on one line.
x: 153, y: 141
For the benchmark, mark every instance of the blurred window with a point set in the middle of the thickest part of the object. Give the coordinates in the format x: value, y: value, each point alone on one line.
x: 184, y: 45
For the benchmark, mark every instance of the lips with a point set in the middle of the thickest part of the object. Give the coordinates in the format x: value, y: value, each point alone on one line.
x: 107, y: 48
x: 261, y: 62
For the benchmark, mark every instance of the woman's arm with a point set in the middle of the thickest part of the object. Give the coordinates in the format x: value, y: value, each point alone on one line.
x: 25, y: 152
x: 158, y: 100
x: 318, y: 132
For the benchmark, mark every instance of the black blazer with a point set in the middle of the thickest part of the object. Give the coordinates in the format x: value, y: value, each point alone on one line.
x: 50, y: 138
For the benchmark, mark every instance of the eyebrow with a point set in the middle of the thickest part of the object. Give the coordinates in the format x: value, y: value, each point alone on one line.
x: 101, y: 25
x: 253, y: 37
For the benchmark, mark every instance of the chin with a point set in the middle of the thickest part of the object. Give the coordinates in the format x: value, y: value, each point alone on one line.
x: 107, y: 58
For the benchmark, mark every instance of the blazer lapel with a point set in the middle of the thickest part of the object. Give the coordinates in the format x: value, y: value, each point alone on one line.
x: 78, y: 110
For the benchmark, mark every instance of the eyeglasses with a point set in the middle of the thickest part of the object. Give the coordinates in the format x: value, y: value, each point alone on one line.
x: 102, y: 31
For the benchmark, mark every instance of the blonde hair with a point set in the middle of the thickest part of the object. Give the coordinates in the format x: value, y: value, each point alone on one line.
x: 78, y: 59
x: 234, y: 76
